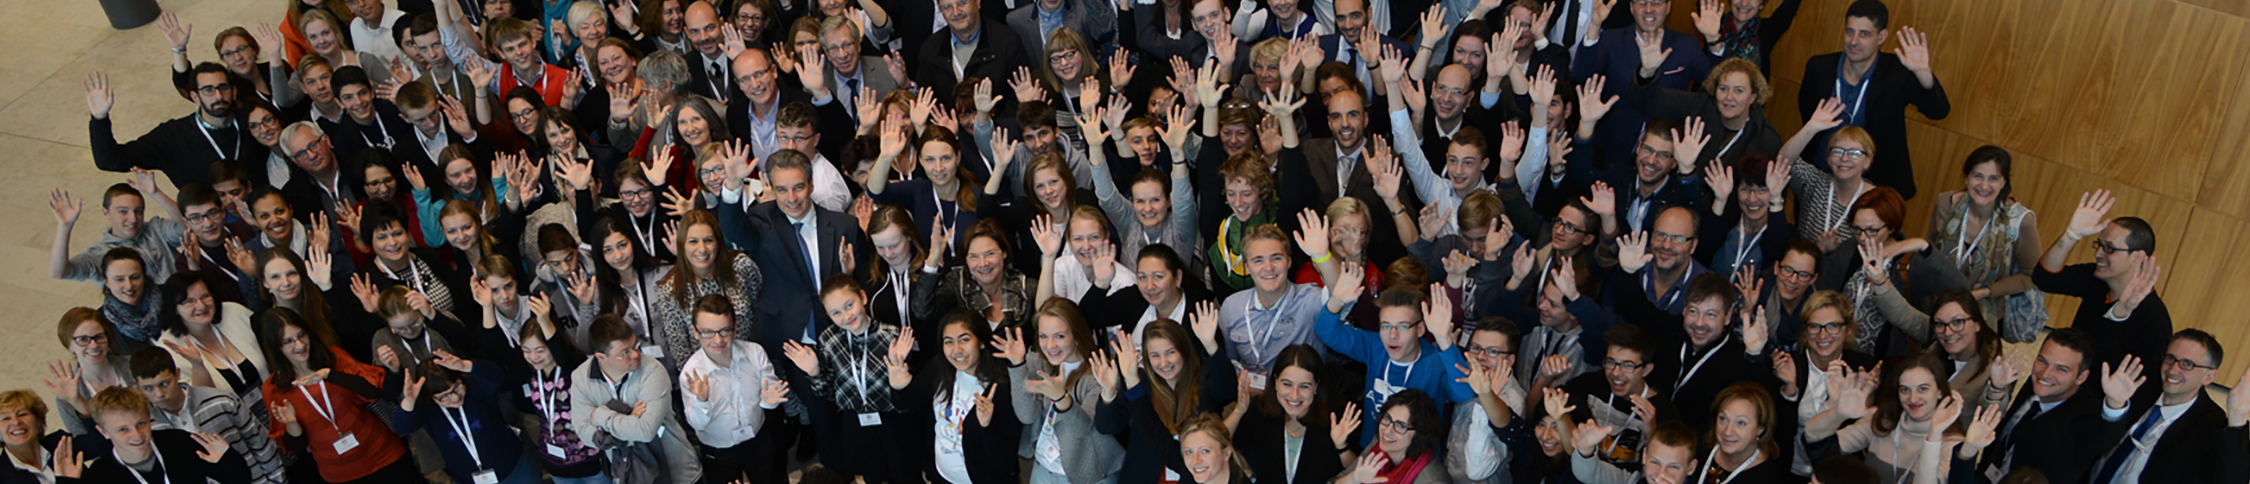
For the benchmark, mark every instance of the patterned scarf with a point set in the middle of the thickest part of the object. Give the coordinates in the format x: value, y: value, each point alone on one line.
x: 1742, y: 41
x: 134, y: 323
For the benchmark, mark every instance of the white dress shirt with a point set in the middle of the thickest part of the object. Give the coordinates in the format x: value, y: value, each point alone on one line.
x: 737, y: 407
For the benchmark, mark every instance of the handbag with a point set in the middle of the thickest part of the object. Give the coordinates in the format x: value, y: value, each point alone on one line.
x: 631, y: 462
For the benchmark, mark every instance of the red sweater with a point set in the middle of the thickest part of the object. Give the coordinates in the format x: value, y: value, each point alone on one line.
x: 378, y: 447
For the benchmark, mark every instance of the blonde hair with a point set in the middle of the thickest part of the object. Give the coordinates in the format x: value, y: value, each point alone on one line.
x: 1830, y: 300
x: 1759, y: 88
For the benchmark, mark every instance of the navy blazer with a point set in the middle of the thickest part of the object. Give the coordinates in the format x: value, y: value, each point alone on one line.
x: 790, y: 297
x: 1894, y: 88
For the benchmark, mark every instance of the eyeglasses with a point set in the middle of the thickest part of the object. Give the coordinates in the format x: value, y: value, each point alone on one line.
x: 708, y: 334
x: 1954, y: 324
x: 756, y: 17
x: 1394, y: 425
x: 269, y: 122
x: 1066, y: 55
x: 84, y: 341
x: 208, y: 215
x: 1663, y: 154
x: 2103, y: 247
x: 237, y: 50
x: 1623, y: 365
x: 1847, y: 153
x: 1402, y: 328
x: 2184, y: 364
x: 1673, y: 238
x: 634, y: 194
x: 1825, y: 328
x: 214, y: 89
x: 1489, y: 351
x: 1571, y: 227
x: 1793, y: 273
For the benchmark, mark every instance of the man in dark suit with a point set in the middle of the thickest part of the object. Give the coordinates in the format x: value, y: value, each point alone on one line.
x: 708, y: 65
x: 1875, y: 89
x: 1616, y: 54
x: 760, y: 91
x: 2050, y: 425
x: 2181, y: 435
x: 328, y: 184
x: 850, y: 73
x: 796, y: 245
x: 1095, y: 21
x: 1339, y: 169
x: 968, y: 48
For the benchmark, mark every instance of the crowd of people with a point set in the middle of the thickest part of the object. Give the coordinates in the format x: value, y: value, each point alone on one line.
x: 1086, y: 241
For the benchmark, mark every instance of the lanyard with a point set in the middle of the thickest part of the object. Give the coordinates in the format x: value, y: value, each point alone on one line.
x: 215, y: 142
x: 1967, y: 246
x: 215, y: 265
x: 1648, y: 284
x: 646, y: 237
x: 379, y: 126
x: 547, y: 396
x: 208, y: 355
x: 1746, y: 243
x: 943, y: 218
x: 325, y: 408
x: 461, y: 431
x: 427, y: 347
x: 899, y: 292
x: 1709, y: 462
x: 1257, y: 354
x: 639, y: 301
x: 1730, y: 143
x: 1859, y: 99
x: 137, y: 474
x: 1837, y: 220
x: 413, y: 276
x: 1689, y: 372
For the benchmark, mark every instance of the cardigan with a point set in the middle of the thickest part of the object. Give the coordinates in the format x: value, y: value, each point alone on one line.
x: 1086, y: 457
x: 590, y: 391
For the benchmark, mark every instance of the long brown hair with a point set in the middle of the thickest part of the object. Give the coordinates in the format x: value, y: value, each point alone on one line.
x: 1303, y: 357
x: 683, y: 278
x: 1889, y: 411
x: 317, y: 358
x: 1081, y: 338
x: 889, y: 217
x: 1175, y: 401
x: 311, y: 306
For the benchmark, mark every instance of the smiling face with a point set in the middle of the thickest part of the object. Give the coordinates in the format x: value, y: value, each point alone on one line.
x: 523, y: 116
x: 985, y: 260
x: 1295, y: 388
x: 703, y: 29
x: 207, y: 221
x: 1067, y: 64
x: 1394, y: 432
x: 1086, y: 237
x: 714, y: 334
x: 1705, y: 320
x: 1825, y: 332
x: 1157, y: 283
x: 322, y: 38
x: 282, y: 279
x: 390, y: 243
x: 792, y: 190
x: 1047, y: 185
x: 196, y: 307
x: 1738, y: 426
x: 847, y: 308
x: 358, y: 101
x: 1269, y: 264
x: 1649, y: 15
x: 273, y: 216
x: 1464, y: 166
x: 1151, y: 205
x: 754, y: 74
x: 960, y: 15
x: 590, y: 30
x: 1985, y: 182
x: 125, y: 215
x: 296, y: 344
x: 1244, y: 197
x: 561, y: 138
x: 379, y: 182
x: 2057, y: 372
x: 20, y: 427
x: 1847, y: 158
x: 961, y: 346
x: 1055, y: 341
x: 461, y: 231
x: 749, y: 20
x: 1163, y: 359
x: 1206, y: 458
x: 1573, y: 228
x: 2181, y: 383
x: 1918, y: 393
x: 1653, y: 160
x: 701, y: 242
x: 2120, y: 265
x: 89, y: 342
x: 1450, y: 94
x: 239, y: 54
x: 1735, y: 94
x: 264, y: 127
x: 1550, y: 436
x: 1673, y: 240
x: 1622, y: 380
x: 1955, y: 331
x: 1347, y: 117
x: 1666, y: 463
x: 129, y: 432
x: 941, y: 162
x: 617, y: 68
x: 1468, y: 53
x: 125, y: 280
x: 1794, y: 274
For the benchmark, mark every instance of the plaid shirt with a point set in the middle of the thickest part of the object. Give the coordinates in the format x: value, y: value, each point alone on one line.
x: 852, y: 373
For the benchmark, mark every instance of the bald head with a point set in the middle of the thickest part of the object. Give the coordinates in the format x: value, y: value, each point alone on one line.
x: 703, y: 28
x: 1451, y: 92
x: 754, y: 74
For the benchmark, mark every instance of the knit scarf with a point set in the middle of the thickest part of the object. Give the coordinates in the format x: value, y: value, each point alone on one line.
x: 1404, y: 472
x: 134, y: 323
x: 1742, y: 41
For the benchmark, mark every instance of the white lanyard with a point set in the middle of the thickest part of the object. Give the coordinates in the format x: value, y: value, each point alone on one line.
x: 1745, y: 244
x: 413, y: 277
x: 547, y: 397
x: 859, y: 374
x: 208, y: 355
x: 1714, y: 459
x: 1409, y: 372
x: 900, y: 293
x: 215, y: 265
x: 325, y: 408
x: 1648, y: 284
x: 939, y: 204
x: 1690, y: 371
x: 1837, y: 220
x: 215, y: 142
x: 1730, y: 143
x: 136, y: 474
x: 639, y: 300
x: 427, y: 347
x: 1865, y: 79
x: 379, y: 126
x: 461, y: 431
x: 646, y: 237
x: 1280, y: 307
x: 1967, y: 246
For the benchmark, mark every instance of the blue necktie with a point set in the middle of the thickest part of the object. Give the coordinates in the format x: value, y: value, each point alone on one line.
x: 810, y: 318
x: 2128, y: 448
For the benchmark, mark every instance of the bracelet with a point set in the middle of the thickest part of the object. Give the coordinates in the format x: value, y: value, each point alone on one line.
x: 1324, y: 258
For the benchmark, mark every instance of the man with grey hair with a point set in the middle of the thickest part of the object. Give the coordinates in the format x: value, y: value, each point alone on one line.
x: 328, y: 186
x: 849, y: 72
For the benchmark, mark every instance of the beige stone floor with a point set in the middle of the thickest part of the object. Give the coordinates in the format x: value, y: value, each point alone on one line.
x: 46, y: 50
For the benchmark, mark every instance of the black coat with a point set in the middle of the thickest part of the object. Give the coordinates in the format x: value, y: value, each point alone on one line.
x: 2197, y: 447
x: 988, y: 450
x: 790, y: 296
x: 1150, y: 448
x: 178, y: 450
x: 2062, y: 442
x: 1894, y: 88
x: 1261, y: 438
x: 999, y: 52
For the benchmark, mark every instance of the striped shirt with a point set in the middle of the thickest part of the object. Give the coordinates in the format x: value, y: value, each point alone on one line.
x: 218, y: 412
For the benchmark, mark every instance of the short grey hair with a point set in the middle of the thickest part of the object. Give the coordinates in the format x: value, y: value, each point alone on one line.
x: 578, y: 13
x: 666, y: 68
x: 835, y: 23
x: 295, y: 127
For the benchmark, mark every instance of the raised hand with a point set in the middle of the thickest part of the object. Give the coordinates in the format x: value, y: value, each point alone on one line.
x: 1105, y: 372
x: 1205, y: 322
x: 1009, y: 346
x: 450, y: 361
x: 1689, y: 146
x: 1003, y: 149
x: 1368, y: 469
x: 63, y: 381
x: 284, y: 411
x: 175, y: 31
x: 1754, y: 330
x: 1653, y: 52
x: 1026, y: 86
x: 1603, y: 200
x: 1948, y: 410
x: 1176, y: 129
x: 1346, y: 288
x: 1049, y: 237
x: 2089, y: 219
x: 1852, y: 402
x: 984, y: 100
x: 212, y: 447
x: 1873, y: 265
x: 1437, y: 313
x: 1432, y: 220
x: 1589, y: 435
x: 1521, y: 265
x: 1827, y: 116
x: 1983, y: 429
x: 2238, y: 400
x: 1208, y: 87
x: 1473, y: 374
x: 1914, y: 50
x: 1707, y: 16
x: 1785, y: 369
x: 70, y: 464
x: 774, y: 393
x: 1044, y: 384
x: 2118, y: 386
x: 1632, y: 252
x: 984, y: 405
x: 801, y: 356
x: 1589, y: 109
x: 1719, y: 177
x: 66, y: 209
x: 99, y: 98
x: 698, y: 386
x: 1341, y: 425
x: 410, y: 393
x: 1566, y: 278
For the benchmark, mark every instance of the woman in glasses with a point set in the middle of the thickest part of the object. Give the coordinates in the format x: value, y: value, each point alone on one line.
x: 92, y: 367
x: 1959, y: 333
x: 1405, y: 449
x: 1802, y: 374
x: 1887, y: 261
x: 1826, y: 196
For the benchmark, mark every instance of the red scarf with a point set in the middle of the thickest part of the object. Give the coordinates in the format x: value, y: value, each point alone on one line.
x: 1405, y: 472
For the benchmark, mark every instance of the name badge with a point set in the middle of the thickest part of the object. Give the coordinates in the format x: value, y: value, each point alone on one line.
x: 653, y: 351
x: 486, y: 477
x: 1171, y: 475
x: 870, y: 419
x: 1993, y: 473
x: 555, y: 450
x: 1257, y: 380
x: 346, y: 444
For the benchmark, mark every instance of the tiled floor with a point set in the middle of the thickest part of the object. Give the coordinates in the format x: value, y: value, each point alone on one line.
x: 51, y: 47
